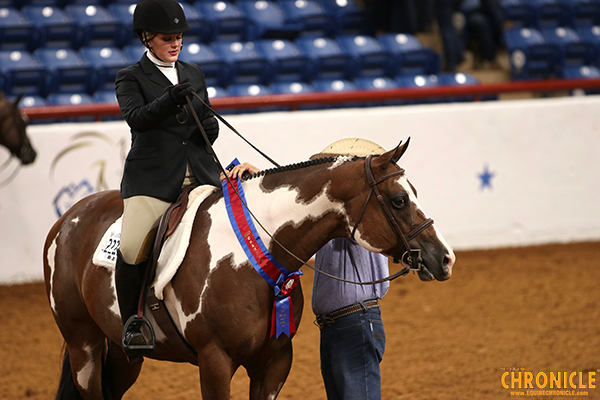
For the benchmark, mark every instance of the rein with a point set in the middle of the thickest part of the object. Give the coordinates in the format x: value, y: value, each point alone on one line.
x: 408, y: 255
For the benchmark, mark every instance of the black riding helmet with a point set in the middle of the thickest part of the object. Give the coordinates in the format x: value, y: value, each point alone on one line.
x: 160, y: 16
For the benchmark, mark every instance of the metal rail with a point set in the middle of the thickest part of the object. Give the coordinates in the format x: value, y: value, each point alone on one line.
x: 293, y: 101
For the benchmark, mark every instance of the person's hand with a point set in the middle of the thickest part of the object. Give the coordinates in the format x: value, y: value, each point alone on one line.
x: 211, y: 127
x: 179, y: 92
x: 239, y: 170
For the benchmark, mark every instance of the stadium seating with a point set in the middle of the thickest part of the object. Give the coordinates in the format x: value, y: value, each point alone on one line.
x: 123, y: 14
x: 54, y: 27
x: 106, y: 63
x: 350, y: 16
x: 22, y: 73
x: 288, y: 62
x: 227, y: 20
x: 582, y: 72
x: 16, y: 31
x: 32, y: 101
x: 134, y: 52
x: 520, y: 13
x: 316, y: 21
x: 530, y: 56
x: 584, y: 12
x: 67, y: 70
x: 216, y: 70
x: 266, y: 20
x: 410, y: 57
x: 551, y: 13
x: 291, y: 87
x: 105, y: 96
x: 379, y: 83
x: 420, y: 81
x: 573, y: 51
x: 329, y: 60
x: 201, y: 30
x: 97, y: 26
x: 370, y: 57
x: 591, y: 36
x: 246, y: 64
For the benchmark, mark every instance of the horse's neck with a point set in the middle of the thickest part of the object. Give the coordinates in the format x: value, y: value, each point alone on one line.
x: 298, y: 209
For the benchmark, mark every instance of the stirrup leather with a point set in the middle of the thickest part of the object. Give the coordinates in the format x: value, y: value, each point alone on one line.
x: 138, y: 337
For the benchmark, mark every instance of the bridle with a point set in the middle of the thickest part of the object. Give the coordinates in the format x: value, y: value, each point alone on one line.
x: 411, y: 258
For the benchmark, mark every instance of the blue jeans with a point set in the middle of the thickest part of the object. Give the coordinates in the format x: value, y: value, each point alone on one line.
x: 351, y: 349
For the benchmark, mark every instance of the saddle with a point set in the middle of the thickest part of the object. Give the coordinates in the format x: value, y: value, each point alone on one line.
x: 167, y: 225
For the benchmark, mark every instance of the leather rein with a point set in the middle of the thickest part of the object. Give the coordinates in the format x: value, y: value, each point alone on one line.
x: 411, y: 258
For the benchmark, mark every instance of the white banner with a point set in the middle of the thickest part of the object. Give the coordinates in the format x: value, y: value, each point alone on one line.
x: 490, y: 174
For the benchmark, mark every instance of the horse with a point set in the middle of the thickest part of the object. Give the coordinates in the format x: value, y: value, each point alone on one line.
x: 13, y: 134
x: 219, y: 303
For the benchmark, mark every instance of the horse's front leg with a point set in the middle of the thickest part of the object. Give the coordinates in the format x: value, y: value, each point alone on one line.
x: 267, y: 378
x: 216, y: 372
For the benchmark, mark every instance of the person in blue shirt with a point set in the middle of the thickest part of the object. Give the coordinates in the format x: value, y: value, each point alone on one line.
x: 349, y: 315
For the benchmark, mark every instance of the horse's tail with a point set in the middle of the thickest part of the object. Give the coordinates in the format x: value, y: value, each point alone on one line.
x: 66, y: 387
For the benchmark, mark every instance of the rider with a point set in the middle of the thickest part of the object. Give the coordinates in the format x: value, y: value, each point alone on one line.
x: 168, y: 150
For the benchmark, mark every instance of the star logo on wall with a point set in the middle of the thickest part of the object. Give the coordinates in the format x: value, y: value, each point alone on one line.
x: 486, y: 178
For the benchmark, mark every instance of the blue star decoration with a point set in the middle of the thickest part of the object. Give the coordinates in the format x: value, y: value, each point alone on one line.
x: 486, y: 178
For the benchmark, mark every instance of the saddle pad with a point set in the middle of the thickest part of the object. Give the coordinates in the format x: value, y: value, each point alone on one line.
x: 173, y: 249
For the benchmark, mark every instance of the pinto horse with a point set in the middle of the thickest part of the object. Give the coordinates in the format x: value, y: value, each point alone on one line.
x: 219, y: 303
x: 13, y: 135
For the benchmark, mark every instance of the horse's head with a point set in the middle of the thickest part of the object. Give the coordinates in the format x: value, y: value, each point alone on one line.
x: 13, y: 134
x: 389, y: 219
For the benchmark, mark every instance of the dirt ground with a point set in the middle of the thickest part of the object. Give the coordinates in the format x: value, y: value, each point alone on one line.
x: 534, y: 309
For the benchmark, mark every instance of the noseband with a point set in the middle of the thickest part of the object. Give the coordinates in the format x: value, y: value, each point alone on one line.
x: 411, y: 258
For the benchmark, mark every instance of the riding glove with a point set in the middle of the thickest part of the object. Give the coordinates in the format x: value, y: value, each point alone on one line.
x: 211, y: 127
x: 179, y: 92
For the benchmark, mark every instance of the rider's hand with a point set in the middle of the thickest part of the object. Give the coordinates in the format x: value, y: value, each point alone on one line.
x: 179, y: 92
x: 239, y: 170
x: 211, y: 127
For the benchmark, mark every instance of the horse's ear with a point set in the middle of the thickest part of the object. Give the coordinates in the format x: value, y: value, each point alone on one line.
x: 399, y: 152
x: 18, y: 99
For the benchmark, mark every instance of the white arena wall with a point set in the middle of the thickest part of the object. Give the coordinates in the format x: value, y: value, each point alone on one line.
x: 541, y: 158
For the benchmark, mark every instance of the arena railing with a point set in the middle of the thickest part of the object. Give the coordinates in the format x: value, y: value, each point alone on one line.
x: 294, y: 101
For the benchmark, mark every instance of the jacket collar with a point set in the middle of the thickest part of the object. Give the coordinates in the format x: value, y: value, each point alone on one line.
x: 158, y: 77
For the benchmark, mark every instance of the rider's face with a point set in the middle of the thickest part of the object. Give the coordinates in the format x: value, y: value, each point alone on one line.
x: 166, y: 46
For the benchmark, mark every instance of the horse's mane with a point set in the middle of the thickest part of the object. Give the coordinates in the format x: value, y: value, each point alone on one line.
x: 295, y: 166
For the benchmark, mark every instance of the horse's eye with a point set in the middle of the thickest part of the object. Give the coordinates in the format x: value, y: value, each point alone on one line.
x: 399, y: 202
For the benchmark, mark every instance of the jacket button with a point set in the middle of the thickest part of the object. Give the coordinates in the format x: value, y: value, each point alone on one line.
x: 184, y: 142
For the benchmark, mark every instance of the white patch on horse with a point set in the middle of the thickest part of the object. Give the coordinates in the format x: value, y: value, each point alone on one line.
x: 50, y: 259
x: 273, y: 395
x: 114, y: 306
x: 75, y: 220
x: 339, y: 161
x: 84, y: 374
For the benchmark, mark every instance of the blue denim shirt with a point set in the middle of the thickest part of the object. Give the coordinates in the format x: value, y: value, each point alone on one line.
x: 348, y: 260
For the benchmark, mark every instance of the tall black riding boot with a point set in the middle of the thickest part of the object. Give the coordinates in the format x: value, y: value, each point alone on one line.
x: 128, y: 281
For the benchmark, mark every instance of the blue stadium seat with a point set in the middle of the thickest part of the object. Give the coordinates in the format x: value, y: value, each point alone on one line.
x: 351, y: 16
x: 227, y: 20
x: 574, y: 51
x: 216, y: 71
x: 520, y: 13
x: 201, y: 30
x: 134, y: 52
x: 410, y: 57
x: 123, y: 14
x: 310, y: 13
x: 216, y: 91
x: 105, y: 96
x: 295, y: 87
x: 420, y: 81
x: 66, y: 99
x: 55, y: 28
x: 22, y: 73
x: 68, y: 71
x: 32, y: 101
x: 582, y: 72
x: 249, y: 89
x: 106, y: 62
x: 459, y: 79
x: 288, y: 61
x: 530, y: 56
x: 16, y: 31
x: 329, y: 60
x: 584, y: 12
x: 369, y: 55
x: 97, y: 26
x: 379, y: 83
x: 591, y: 36
x: 246, y: 64
x: 267, y: 21
x: 336, y: 85
x: 551, y: 13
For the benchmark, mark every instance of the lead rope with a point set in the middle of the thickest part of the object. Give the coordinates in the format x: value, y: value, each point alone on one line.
x: 402, y: 272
